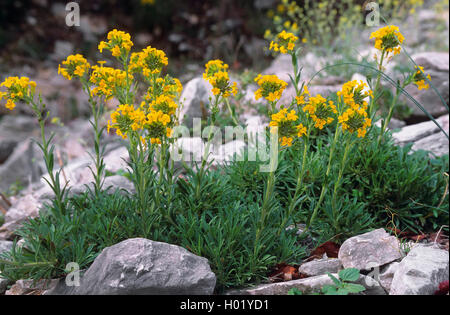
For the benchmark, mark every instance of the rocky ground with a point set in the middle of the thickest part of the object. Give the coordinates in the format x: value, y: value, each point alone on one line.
x: 23, y: 191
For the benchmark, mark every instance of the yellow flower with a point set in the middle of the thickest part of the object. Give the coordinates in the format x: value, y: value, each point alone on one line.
x: 214, y: 66
x: 354, y: 94
x: 320, y: 110
x: 222, y: 85
x: 271, y: 88
x: 286, y: 124
x: 108, y: 81
x: 355, y: 120
x: 388, y: 39
x: 73, y: 66
x: 420, y: 79
x: 149, y: 61
x: 284, y: 43
x: 119, y: 43
x: 125, y: 119
x: 17, y: 89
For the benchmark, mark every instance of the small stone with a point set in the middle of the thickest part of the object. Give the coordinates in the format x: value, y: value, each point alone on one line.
x: 308, y: 285
x: 369, y: 250
x: 320, y: 267
x: 27, y: 287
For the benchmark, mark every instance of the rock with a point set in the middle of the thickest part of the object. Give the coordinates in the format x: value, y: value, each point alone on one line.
x: 233, y: 150
x: 281, y: 66
x: 21, y: 166
x: 188, y: 149
x: 6, y: 149
x: 195, y: 98
x: 117, y: 159
x: 308, y: 285
x: 3, y: 285
x: 24, y: 208
x: 5, y: 246
x: 320, y: 267
x: 27, y: 287
x: 387, y: 274
x: 425, y: 136
x: 141, y: 266
x: 421, y: 271
x: 369, y: 250
x: 437, y: 65
x: 436, y: 144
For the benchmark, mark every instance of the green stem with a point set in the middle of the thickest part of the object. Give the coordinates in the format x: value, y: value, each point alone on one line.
x: 231, y: 112
x: 389, y: 117
x: 377, y: 85
x: 325, y: 183
x: 298, y: 186
x: 348, y: 145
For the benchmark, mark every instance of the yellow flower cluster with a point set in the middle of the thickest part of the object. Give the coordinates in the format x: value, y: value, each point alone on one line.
x: 354, y: 94
x: 287, y: 126
x: 16, y: 89
x: 126, y: 118
x: 149, y: 61
x: 355, y: 117
x: 388, y: 39
x: 216, y: 74
x: 163, y: 103
x: 222, y: 85
x: 301, y: 100
x: 320, y: 110
x: 156, y: 124
x: 355, y: 120
x: 214, y: 66
x: 167, y: 86
x: 108, y: 81
x: 74, y: 66
x: 284, y: 43
x: 270, y: 87
x: 420, y: 79
x: 119, y: 43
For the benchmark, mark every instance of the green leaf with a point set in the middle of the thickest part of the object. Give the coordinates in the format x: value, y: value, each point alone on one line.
x: 354, y: 288
x: 329, y: 290
x: 349, y: 274
x: 295, y: 291
x: 335, y: 280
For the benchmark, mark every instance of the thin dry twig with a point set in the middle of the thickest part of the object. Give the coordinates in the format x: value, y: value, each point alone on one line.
x: 6, y: 200
x: 61, y: 164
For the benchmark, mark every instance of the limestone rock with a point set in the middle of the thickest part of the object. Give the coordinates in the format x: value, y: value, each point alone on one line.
x: 369, y: 250
x: 421, y: 271
x: 141, y: 266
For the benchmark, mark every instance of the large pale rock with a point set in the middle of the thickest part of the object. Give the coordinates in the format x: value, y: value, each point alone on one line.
x: 387, y: 275
x: 369, y: 250
x: 437, y: 65
x: 425, y: 136
x: 308, y: 285
x: 421, y: 271
x: 436, y: 144
x: 195, y: 99
x: 320, y: 267
x: 117, y: 159
x: 141, y: 266
x: 419, y: 131
x: 23, y: 209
